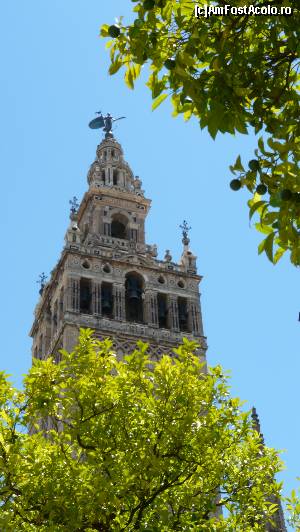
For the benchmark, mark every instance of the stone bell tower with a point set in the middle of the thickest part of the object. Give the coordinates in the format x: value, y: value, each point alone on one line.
x: 109, y: 279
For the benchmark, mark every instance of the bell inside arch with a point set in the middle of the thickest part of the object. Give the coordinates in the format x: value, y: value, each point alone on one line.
x: 183, y: 314
x: 162, y: 310
x: 107, y: 300
x: 134, y: 290
x: 106, y: 305
x: 134, y: 298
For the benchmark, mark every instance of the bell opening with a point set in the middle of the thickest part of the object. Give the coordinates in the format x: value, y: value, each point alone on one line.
x: 162, y: 311
x: 107, y: 300
x: 183, y: 315
x: 134, y: 287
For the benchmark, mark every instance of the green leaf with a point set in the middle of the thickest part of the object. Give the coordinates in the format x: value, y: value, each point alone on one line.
x: 129, y: 78
x: 238, y: 164
x: 104, y: 30
x: 115, y: 66
x: 268, y: 247
x: 278, y: 254
x: 256, y: 206
x: 263, y: 228
x: 159, y: 100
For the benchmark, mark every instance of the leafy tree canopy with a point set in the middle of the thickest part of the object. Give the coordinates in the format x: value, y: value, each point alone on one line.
x: 293, y: 507
x: 233, y: 73
x: 130, y: 445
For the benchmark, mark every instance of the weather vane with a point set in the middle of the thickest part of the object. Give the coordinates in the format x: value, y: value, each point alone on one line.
x: 105, y: 123
x: 42, y: 282
x: 185, y: 231
x: 74, y: 205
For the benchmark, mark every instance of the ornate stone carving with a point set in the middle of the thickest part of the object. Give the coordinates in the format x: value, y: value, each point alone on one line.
x: 96, y: 267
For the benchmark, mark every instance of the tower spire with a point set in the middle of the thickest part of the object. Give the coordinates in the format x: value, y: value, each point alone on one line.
x: 278, y: 524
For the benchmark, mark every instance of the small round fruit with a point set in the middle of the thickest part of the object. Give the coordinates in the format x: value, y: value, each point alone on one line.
x: 114, y: 31
x: 149, y: 4
x: 170, y: 64
x: 261, y: 189
x: 286, y: 194
x: 253, y: 165
x: 235, y: 184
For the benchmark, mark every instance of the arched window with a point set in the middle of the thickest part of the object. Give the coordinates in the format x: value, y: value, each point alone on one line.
x: 54, y: 316
x: 107, y: 300
x: 119, y: 226
x: 162, y: 305
x: 118, y: 230
x: 134, y: 297
x: 85, y: 296
x: 61, y: 304
x: 41, y: 347
x: 115, y: 176
x: 183, y: 314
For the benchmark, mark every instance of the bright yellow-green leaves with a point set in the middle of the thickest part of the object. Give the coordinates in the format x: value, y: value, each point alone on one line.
x: 130, y: 445
x: 293, y: 506
x: 233, y: 73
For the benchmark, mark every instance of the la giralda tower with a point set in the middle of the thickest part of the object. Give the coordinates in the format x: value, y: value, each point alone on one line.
x: 108, y: 278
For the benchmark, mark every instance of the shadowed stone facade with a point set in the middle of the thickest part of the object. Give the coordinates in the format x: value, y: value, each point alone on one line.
x: 109, y: 279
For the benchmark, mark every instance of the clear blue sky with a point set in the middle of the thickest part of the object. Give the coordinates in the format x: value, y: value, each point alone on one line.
x: 53, y: 78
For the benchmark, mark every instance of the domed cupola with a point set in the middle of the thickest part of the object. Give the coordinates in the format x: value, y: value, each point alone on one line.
x: 109, y: 151
x: 111, y: 170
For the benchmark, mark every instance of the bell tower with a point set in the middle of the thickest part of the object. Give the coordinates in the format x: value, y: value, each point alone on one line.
x: 109, y: 279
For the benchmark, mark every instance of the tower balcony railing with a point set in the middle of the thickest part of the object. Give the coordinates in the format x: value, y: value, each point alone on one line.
x: 171, y: 266
x: 127, y: 245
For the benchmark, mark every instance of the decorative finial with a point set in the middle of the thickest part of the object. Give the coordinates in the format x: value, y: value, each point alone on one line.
x: 42, y: 282
x: 74, y: 205
x: 185, y: 232
x: 105, y: 123
x: 168, y: 256
x: 137, y: 183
